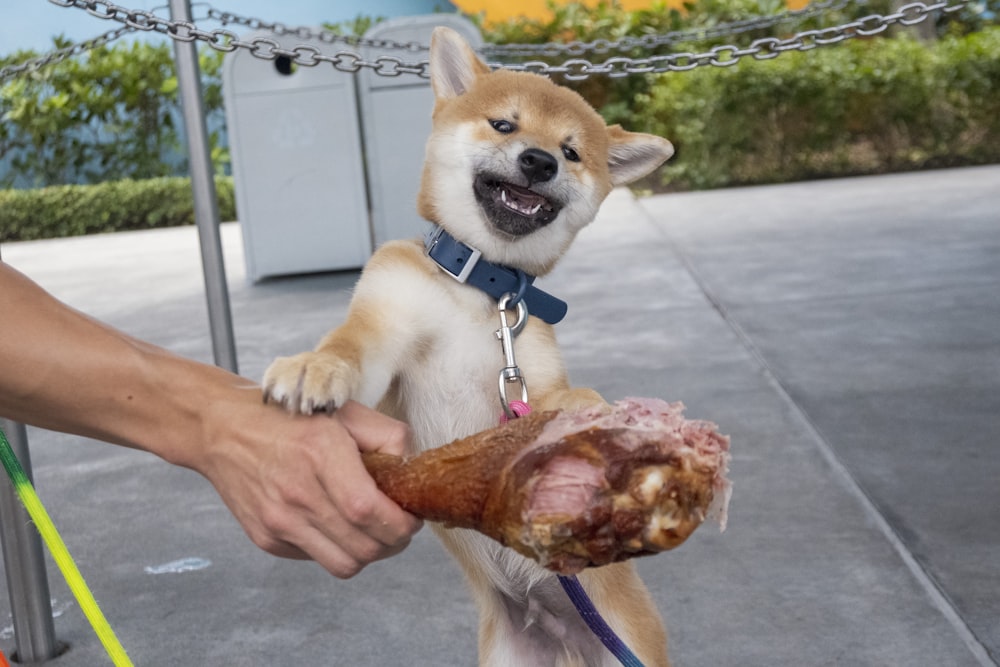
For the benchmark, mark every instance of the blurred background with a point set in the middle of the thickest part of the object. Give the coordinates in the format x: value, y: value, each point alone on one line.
x: 908, y: 98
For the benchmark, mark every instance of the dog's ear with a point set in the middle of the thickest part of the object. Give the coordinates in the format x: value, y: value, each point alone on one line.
x: 632, y: 155
x: 454, y: 65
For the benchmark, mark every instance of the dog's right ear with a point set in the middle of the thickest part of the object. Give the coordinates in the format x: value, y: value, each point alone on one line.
x: 454, y: 65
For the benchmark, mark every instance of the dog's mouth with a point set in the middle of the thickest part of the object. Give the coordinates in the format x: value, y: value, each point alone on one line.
x: 513, y: 209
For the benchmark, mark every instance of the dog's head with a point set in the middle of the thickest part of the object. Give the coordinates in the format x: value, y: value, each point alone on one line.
x: 517, y: 165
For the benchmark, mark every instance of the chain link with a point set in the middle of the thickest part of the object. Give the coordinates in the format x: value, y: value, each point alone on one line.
x: 325, y: 36
x: 727, y: 55
x: 574, y: 69
x: 652, y: 42
x: 59, y: 55
x: 576, y: 48
x: 265, y: 48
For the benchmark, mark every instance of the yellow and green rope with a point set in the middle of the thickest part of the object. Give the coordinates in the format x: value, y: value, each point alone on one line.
x: 26, y: 492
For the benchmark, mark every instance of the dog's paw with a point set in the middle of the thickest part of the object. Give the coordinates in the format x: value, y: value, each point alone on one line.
x: 310, y: 382
x: 577, y: 398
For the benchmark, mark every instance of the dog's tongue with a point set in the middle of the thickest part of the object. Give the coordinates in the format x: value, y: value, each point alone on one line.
x: 521, y: 200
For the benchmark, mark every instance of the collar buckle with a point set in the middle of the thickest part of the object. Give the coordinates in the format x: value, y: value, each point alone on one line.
x: 465, y: 264
x: 456, y: 256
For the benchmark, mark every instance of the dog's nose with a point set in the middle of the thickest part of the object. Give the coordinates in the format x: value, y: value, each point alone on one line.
x: 537, y: 165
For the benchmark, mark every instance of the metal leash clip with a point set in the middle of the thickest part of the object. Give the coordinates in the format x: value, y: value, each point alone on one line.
x: 510, y: 373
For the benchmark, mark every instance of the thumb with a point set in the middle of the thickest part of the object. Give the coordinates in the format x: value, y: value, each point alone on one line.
x: 373, y: 431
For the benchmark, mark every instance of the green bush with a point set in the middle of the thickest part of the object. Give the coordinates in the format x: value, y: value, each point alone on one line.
x: 74, y: 210
x: 107, y: 114
x: 862, y: 107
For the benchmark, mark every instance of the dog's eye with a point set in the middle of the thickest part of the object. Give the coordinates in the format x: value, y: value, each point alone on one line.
x: 503, y: 126
x: 570, y: 154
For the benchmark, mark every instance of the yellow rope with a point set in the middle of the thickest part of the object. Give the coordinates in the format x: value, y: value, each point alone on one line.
x: 26, y: 492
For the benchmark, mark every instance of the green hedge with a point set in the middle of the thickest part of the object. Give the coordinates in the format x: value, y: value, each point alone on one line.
x: 73, y: 210
x: 868, y: 105
x: 865, y: 106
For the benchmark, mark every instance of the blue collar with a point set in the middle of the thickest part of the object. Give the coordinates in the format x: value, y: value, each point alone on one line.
x: 466, y: 265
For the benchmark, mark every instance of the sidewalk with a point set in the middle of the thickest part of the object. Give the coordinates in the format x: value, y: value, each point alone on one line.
x: 845, y: 333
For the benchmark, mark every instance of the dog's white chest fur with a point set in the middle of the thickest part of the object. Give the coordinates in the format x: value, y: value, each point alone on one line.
x: 445, y: 380
x: 457, y: 380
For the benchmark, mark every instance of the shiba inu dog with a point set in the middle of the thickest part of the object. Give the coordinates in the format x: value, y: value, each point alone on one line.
x: 516, y: 165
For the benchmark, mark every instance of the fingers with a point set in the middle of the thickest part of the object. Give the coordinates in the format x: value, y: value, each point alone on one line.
x: 343, y: 529
x: 330, y: 508
x: 299, y: 488
x: 341, y: 557
x: 373, y: 431
x: 344, y: 559
x: 367, y: 524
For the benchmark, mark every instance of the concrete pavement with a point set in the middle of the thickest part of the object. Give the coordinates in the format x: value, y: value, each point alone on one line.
x: 846, y: 334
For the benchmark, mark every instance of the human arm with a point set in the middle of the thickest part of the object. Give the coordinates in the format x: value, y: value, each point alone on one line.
x: 296, y: 484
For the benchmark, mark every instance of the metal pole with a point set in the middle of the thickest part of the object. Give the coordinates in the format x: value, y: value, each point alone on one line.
x: 206, y: 207
x: 24, y: 563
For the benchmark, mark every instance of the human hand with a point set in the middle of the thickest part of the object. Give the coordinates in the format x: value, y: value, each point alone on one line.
x: 299, y: 489
x: 295, y: 483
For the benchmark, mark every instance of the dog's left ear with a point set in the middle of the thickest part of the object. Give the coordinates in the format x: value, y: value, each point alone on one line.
x: 454, y: 65
x: 632, y: 155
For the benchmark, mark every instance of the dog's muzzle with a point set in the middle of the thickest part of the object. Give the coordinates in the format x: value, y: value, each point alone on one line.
x: 513, y: 209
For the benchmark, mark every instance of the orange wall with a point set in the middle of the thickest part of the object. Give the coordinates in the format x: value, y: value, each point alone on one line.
x: 499, y: 10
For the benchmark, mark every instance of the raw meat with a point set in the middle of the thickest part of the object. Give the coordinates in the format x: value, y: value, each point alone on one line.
x: 572, y: 489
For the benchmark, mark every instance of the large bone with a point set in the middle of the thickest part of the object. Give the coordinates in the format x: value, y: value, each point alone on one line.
x: 572, y: 489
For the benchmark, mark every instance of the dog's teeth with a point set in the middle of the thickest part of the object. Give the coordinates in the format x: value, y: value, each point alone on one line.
x: 503, y: 196
x: 535, y: 209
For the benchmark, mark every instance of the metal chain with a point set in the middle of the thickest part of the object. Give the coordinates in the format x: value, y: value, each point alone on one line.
x: 228, y: 41
x: 60, y: 55
x: 725, y: 55
x: 326, y: 36
x: 576, y: 48
x: 651, y: 42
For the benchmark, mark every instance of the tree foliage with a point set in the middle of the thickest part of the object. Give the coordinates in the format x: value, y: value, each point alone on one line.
x: 109, y: 114
x: 868, y: 105
x: 859, y: 108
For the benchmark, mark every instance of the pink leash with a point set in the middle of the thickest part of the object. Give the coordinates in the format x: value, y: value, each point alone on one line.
x: 519, y: 408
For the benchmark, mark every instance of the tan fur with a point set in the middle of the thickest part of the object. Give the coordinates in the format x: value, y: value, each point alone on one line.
x: 422, y: 347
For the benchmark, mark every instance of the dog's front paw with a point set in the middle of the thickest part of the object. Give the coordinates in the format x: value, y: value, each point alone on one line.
x: 310, y: 382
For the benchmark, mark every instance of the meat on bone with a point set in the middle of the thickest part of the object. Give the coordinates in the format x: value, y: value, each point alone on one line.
x: 572, y: 489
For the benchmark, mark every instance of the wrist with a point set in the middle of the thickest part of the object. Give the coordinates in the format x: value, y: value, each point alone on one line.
x: 195, y: 408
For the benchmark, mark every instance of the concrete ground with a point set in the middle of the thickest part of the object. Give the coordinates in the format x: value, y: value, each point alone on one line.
x: 845, y: 333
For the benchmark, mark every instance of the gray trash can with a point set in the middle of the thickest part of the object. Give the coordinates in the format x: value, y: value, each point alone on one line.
x: 298, y: 172
x: 396, y: 121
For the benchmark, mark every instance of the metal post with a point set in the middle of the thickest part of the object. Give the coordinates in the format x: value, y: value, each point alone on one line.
x: 206, y: 207
x: 24, y: 563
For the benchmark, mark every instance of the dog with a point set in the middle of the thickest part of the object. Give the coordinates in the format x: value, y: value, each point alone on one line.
x: 515, y: 167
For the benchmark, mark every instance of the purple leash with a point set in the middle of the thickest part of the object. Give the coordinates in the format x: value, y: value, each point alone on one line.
x: 513, y: 409
x: 596, y: 622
